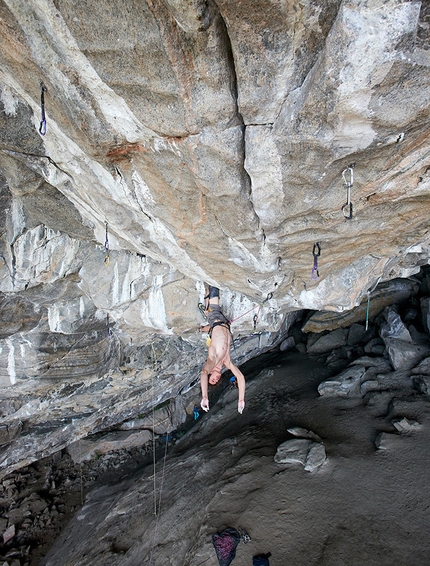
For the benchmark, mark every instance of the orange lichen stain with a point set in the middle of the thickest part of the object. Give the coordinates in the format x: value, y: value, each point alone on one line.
x: 125, y: 151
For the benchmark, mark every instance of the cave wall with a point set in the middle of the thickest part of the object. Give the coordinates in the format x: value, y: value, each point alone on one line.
x: 202, y: 141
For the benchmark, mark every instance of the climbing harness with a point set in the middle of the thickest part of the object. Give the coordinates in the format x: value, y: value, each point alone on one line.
x: 316, y: 252
x: 369, y: 292
x: 42, y: 127
x: 107, y: 258
x: 347, y: 207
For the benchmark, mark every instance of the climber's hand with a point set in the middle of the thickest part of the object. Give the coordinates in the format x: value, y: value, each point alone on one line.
x: 241, y: 406
x: 205, y: 404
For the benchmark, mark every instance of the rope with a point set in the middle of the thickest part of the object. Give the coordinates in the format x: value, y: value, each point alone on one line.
x: 316, y: 252
x: 159, y: 501
x: 42, y: 126
x: 369, y: 292
x: 153, y: 430
x: 347, y: 207
x: 107, y: 258
x: 80, y: 466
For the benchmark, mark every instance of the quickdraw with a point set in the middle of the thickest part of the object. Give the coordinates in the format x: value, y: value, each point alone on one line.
x: 347, y: 207
x: 255, y: 318
x: 42, y: 127
x: 369, y: 292
x: 316, y: 252
x: 107, y: 258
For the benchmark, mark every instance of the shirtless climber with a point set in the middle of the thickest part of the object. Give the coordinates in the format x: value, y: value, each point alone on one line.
x: 219, y: 351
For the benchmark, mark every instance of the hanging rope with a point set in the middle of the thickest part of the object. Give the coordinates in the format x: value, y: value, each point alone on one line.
x: 107, y: 258
x: 159, y: 499
x: 153, y: 430
x: 348, y: 178
x: 42, y: 127
x: 369, y: 292
x: 316, y: 252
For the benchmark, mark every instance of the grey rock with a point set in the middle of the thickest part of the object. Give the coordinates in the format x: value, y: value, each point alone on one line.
x: 287, y: 344
x: 293, y: 452
x: 355, y: 334
x: 404, y: 355
x: 422, y: 368
x: 316, y: 457
x: 380, y: 364
x: 328, y: 342
x: 387, y: 441
x: 422, y: 383
x: 304, y: 433
x: 406, y: 426
x: 425, y: 312
x: 9, y: 533
x: 386, y: 294
x: 346, y: 384
x: 311, y: 455
x: 88, y: 449
x: 375, y: 346
x: 394, y: 328
x: 207, y: 162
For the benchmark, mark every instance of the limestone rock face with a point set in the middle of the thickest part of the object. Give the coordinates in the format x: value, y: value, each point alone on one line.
x: 188, y: 142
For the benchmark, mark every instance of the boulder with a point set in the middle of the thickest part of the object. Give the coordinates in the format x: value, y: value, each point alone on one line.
x: 425, y: 312
x: 287, y: 344
x: 346, y: 384
x: 404, y: 355
x: 381, y: 364
x: 356, y: 334
x: 311, y: 455
x: 328, y: 342
x: 375, y: 346
x: 316, y: 457
x: 387, y: 441
x: 293, y: 451
x: 422, y: 368
x: 394, y: 327
x: 422, y: 383
x: 406, y: 426
x: 304, y: 433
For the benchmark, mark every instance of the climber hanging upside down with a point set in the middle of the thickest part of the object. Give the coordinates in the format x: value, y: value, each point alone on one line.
x: 219, y: 351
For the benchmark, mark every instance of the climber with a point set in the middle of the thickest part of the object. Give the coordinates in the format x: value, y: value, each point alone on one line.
x: 219, y: 350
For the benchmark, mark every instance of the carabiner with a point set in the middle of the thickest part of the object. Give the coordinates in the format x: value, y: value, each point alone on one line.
x: 347, y: 210
x: 347, y: 207
x: 316, y: 252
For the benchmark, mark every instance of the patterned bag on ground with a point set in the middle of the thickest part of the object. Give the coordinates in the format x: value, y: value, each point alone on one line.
x: 261, y: 560
x: 225, y: 544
